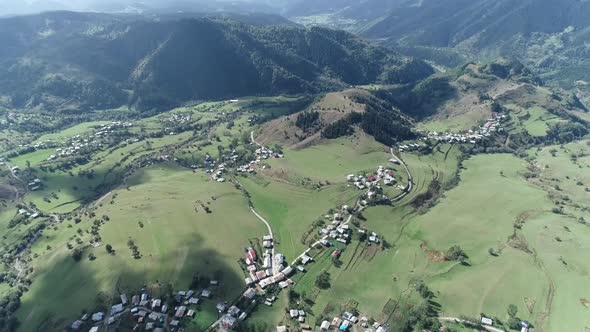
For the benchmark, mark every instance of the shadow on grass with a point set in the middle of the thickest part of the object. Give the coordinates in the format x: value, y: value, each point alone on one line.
x: 68, y: 289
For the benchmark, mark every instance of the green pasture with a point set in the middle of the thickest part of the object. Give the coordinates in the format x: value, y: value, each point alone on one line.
x: 175, y: 243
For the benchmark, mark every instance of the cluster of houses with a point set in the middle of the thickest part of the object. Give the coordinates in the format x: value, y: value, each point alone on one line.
x: 382, y: 174
x: 35, y: 185
x: 347, y: 321
x: 263, y: 153
x: 271, y: 271
x: 28, y: 213
x: 491, y: 126
x: 524, y: 325
x: 217, y: 174
x: 152, y: 314
x: 410, y: 147
x: 78, y: 143
x: 337, y: 230
x: 178, y: 119
x: 300, y: 315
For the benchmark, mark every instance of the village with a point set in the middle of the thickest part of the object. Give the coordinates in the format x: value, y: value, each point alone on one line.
x: 266, y: 272
x: 147, y: 313
x: 492, y: 125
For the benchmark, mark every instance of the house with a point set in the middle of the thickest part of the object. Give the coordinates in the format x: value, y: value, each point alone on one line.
x: 174, y: 323
x: 164, y: 309
x: 180, y: 311
x: 124, y: 299
x: 221, y: 307
x: 93, y: 329
x: 279, y: 259
x: 76, y: 325
x: 234, y: 311
x: 251, y: 253
x: 282, y: 329
x: 117, y: 308
x: 487, y: 321
x: 135, y: 299
x: 381, y: 329
x: 305, y: 327
x: 191, y: 313
x: 336, y: 321
x: 345, y: 325
x: 325, y: 326
x: 300, y: 268
x: 336, y: 253
x: 84, y: 317
x: 228, y: 321
x: 287, y: 271
x: 243, y: 316
x: 294, y: 313
x: 374, y: 239
x: 97, y: 317
x: 193, y: 300
x: 250, y: 293
x: 306, y: 259
x: 156, y: 303
x: 206, y: 293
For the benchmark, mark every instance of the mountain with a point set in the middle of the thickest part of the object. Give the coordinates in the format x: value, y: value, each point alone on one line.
x: 71, y: 61
x: 548, y: 36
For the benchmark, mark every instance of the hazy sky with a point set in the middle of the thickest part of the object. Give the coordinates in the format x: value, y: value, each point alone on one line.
x: 12, y: 7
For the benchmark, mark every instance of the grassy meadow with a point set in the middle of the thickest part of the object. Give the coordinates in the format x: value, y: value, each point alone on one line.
x: 175, y: 243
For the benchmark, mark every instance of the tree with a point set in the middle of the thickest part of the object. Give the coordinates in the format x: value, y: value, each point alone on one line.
x: 455, y: 253
x: 323, y: 280
x: 514, y: 323
x: 77, y: 254
x: 492, y: 252
x: 109, y: 249
x: 512, y: 310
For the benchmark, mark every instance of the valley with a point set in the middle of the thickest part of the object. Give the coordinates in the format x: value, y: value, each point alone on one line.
x: 191, y: 172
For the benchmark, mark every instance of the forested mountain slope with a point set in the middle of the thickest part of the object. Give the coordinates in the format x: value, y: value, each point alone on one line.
x: 71, y: 61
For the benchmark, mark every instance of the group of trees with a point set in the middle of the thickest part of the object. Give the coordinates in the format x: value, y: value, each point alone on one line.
x: 8, y: 306
x: 456, y: 253
x: 134, y: 249
x: 379, y: 120
x: 322, y: 281
x: 307, y: 120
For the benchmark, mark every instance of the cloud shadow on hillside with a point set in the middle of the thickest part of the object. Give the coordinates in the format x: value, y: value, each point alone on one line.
x: 68, y: 288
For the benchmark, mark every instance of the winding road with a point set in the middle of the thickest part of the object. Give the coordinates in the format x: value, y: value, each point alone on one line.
x: 358, y: 206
